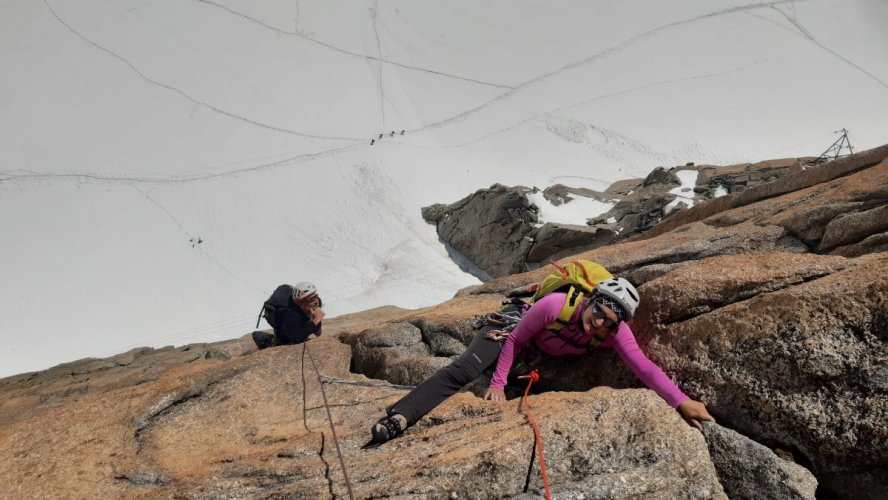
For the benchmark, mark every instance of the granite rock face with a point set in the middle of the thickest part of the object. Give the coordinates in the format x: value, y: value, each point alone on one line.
x: 738, y: 178
x: 475, y: 226
x: 492, y: 227
x: 395, y: 352
x: 497, y: 229
x: 554, y: 241
x: 256, y: 426
x: 789, y: 350
x: 750, y: 471
x: 784, y: 343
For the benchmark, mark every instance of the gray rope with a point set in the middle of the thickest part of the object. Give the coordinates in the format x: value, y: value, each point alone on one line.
x: 351, y: 495
x: 330, y: 380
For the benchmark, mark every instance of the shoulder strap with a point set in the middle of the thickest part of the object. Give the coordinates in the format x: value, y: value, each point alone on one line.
x: 261, y: 313
x: 574, y: 297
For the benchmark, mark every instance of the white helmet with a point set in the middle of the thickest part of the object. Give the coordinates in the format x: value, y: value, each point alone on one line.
x: 304, y: 290
x: 621, y: 291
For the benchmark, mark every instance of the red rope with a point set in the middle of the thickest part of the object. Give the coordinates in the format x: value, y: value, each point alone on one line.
x: 534, y: 376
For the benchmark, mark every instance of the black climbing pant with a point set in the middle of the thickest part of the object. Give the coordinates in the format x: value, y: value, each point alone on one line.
x: 480, y: 356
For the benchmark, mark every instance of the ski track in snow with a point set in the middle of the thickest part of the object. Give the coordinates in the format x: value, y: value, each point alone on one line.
x: 459, y: 116
x: 198, y: 247
x: 381, y: 60
x: 374, y: 13
x: 354, y: 54
x: 183, y: 94
x: 807, y: 34
x: 583, y: 103
x: 771, y: 21
x: 583, y: 177
x: 465, y: 114
x: 606, y: 52
x: 462, y: 115
x: 164, y: 209
x: 182, y: 180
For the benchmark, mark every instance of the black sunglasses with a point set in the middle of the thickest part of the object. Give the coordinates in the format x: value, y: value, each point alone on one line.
x: 598, y: 313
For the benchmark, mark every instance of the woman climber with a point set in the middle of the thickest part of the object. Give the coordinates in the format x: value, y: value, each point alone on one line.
x: 598, y: 318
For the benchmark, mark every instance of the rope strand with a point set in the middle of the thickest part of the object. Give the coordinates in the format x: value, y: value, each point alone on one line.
x: 351, y: 495
x: 330, y: 380
x: 533, y: 377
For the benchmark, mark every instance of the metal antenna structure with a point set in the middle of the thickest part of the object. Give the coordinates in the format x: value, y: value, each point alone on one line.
x: 835, y: 150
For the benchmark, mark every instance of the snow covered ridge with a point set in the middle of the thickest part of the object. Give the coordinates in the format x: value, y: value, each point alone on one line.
x: 571, y: 209
x: 504, y: 230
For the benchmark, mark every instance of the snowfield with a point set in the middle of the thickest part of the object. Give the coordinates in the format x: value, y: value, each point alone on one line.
x: 165, y: 165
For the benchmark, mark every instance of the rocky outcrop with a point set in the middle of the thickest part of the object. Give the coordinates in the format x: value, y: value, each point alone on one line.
x: 739, y: 178
x: 652, y: 199
x: 640, y: 204
x: 554, y: 241
x: 792, y: 358
x: 256, y: 426
x: 750, y: 471
x: 793, y: 181
x: 134, y: 367
x: 396, y: 352
x: 492, y: 227
x: 559, y: 194
x: 788, y: 348
x: 497, y: 229
x: 784, y: 345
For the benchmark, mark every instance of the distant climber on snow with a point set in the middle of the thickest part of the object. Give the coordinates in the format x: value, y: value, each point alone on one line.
x: 293, y: 312
x: 576, y: 309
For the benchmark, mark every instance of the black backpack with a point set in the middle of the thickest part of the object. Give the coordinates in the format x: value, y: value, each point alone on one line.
x: 275, y: 305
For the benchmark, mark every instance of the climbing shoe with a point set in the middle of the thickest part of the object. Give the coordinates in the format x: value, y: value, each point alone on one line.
x: 388, y: 427
x: 264, y: 339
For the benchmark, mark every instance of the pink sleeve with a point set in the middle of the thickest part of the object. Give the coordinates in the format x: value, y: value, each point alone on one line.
x: 645, y: 369
x: 534, y: 321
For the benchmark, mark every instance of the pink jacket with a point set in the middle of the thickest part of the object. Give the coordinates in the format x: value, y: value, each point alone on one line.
x: 545, y: 311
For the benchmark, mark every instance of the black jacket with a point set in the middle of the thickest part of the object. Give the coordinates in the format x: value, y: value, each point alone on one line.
x: 295, y: 326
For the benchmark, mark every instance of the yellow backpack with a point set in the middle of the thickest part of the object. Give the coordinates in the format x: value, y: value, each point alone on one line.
x: 577, y: 278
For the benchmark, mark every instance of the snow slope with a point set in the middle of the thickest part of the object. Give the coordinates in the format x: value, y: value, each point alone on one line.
x: 132, y: 129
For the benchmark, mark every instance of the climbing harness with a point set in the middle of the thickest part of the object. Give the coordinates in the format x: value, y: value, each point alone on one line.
x: 351, y: 495
x: 501, y: 322
x: 537, y: 440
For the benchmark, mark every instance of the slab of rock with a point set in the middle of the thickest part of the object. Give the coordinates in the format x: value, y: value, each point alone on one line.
x: 394, y: 352
x: 492, y: 227
x: 256, y: 426
x: 559, y: 194
x: 736, y: 178
x: 790, y: 182
x: 661, y: 177
x: 554, y: 241
x: 788, y: 348
x: 624, y: 187
x: 643, y: 204
x: 750, y: 471
x: 788, y: 358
